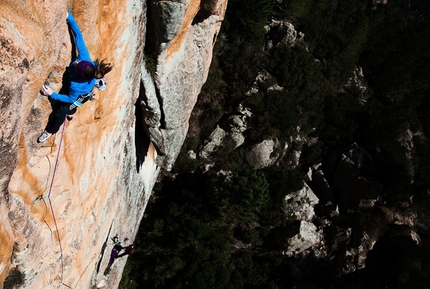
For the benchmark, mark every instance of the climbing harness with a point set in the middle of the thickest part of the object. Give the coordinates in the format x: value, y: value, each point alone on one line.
x: 82, y: 99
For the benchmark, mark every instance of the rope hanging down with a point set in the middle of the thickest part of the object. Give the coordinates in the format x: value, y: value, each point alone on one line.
x: 51, y: 206
x: 48, y: 197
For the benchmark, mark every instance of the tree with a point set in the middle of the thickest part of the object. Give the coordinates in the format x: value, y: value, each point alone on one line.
x: 246, y: 195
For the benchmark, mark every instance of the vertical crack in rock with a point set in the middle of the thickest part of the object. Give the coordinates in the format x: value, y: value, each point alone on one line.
x: 151, y: 42
x: 103, y: 249
x: 141, y: 140
x: 207, y: 8
x: 152, y: 117
x: 151, y: 103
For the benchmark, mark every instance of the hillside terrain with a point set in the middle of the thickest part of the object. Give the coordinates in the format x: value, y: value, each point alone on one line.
x: 307, y: 162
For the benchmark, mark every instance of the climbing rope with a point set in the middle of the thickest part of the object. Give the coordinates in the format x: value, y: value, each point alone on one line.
x: 86, y: 267
x: 48, y: 197
x: 40, y: 198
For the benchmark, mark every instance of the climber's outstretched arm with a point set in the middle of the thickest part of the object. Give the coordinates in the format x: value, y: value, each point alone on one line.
x: 83, y: 53
x: 61, y: 97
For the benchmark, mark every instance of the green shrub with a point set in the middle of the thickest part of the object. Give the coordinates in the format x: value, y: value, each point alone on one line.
x: 15, y: 279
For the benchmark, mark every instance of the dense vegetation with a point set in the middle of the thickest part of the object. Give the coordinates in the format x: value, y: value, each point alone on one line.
x: 206, y: 230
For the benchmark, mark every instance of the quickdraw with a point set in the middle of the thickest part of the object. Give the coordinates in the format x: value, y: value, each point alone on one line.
x: 39, y: 199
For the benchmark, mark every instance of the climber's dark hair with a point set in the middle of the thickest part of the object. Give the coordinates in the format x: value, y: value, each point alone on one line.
x: 89, y: 72
x: 102, y: 68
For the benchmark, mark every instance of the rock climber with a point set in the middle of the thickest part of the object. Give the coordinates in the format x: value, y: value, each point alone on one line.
x: 83, y: 74
x: 115, y: 251
x: 117, y: 247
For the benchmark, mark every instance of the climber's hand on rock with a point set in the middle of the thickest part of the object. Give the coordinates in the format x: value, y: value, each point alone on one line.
x: 46, y: 90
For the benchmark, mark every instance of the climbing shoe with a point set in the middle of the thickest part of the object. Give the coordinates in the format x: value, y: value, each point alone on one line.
x: 100, y: 84
x: 44, y: 136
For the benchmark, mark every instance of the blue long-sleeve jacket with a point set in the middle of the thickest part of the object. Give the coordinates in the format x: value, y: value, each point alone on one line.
x: 78, y: 85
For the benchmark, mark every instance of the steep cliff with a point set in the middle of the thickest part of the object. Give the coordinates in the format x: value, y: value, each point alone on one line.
x: 62, y: 200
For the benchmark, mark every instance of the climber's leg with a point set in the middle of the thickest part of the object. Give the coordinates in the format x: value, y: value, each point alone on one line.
x: 57, y: 117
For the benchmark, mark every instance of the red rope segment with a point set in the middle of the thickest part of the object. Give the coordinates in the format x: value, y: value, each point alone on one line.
x: 52, y: 208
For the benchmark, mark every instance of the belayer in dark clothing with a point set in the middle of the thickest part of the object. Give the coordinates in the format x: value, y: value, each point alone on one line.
x: 117, y: 247
x: 114, y: 253
x: 83, y: 74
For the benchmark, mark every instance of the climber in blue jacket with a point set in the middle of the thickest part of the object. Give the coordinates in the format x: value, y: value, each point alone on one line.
x: 83, y: 74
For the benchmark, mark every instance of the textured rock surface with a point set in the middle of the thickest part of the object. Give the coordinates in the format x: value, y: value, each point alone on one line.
x: 298, y: 237
x: 182, y: 67
x: 300, y: 205
x: 263, y: 154
x: 99, y: 173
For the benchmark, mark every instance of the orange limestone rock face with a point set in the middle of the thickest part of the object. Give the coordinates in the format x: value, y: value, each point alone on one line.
x: 62, y: 200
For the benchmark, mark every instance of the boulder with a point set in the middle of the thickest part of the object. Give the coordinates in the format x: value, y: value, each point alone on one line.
x: 261, y: 155
x: 300, y: 204
x: 298, y: 238
x: 215, y: 140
